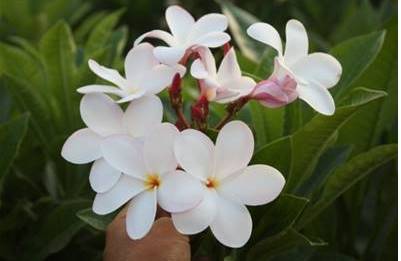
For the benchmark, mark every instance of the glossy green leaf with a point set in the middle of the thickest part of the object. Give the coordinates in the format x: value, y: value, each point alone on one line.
x: 276, y: 154
x: 278, y: 216
x: 355, y: 55
x: 94, y: 220
x: 11, y: 136
x: 312, y: 140
x: 348, y: 175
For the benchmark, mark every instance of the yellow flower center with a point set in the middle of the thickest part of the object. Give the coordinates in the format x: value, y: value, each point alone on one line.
x: 212, y: 182
x: 152, y: 181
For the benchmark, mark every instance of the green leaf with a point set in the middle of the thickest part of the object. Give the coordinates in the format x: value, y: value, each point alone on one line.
x: 55, y: 231
x: 11, y: 136
x: 355, y: 55
x: 239, y: 20
x: 58, y: 50
x: 268, y: 123
x: 346, y: 176
x: 101, y: 34
x: 284, y: 241
x: 278, y: 216
x: 310, y: 142
x: 96, y: 221
x: 367, y: 127
x: 276, y: 154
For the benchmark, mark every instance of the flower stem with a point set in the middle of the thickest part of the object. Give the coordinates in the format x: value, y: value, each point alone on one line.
x: 176, y: 103
x: 232, y: 110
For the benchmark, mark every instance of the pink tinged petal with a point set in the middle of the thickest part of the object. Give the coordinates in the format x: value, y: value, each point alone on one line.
x: 212, y: 40
x: 225, y: 95
x: 266, y: 34
x: 208, y: 24
x: 139, y: 60
x: 94, y: 88
x: 102, y: 176
x: 101, y: 114
x: 198, y: 218
x: 198, y: 70
x: 118, y: 195
x: 161, y: 76
x: 143, y: 115
x: 320, y: 68
x: 179, y: 21
x: 195, y: 152
x: 232, y: 225
x: 141, y: 214
x: 318, y: 97
x: 296, y: 46
x: 107, y: 74
x: 229, y: 67
x: 158, y: 34
x: 125, y: 154
x: 179, y: 192
x: 208, y: 60
x: 272, y: 94
x: 234, y: 149
x: 83, y: 146
x: 159, y: 149
x: 256, y: 185
x: 239, y: 86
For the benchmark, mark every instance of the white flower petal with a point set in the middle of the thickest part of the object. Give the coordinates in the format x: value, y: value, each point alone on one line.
x: 240, y: 86
x: 161, y: 76
x: 130, y: 97
x: 195, y: 152
x: 143, y: 115
x: 234, y: 148
x: 158, y: 34
x: 296, y: 46
x: 83, y: 146
x: 141, y: 214
x: 101, y: 114
x: 101, y: 88
x: 180, y: 22
x: 256, y: 185
x: 102, y: 176
x: 266, y: 34
x: 169, y: 55
x: 199, y: 218
x: 125, y: 154
x: 198, y: 70
x: 107, y: 74
x: 208, y: 24
x: 319, y: 68
x: 213, y: 40
x: 229, y: 67
x: 118, y: 195
x: 318, y: 97
x: 179, y: 192
x: 139, y: 60
x: 159, y: 148
x: 232, y: 225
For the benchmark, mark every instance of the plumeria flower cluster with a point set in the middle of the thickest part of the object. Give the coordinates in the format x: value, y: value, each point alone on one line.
x: 144, y: 164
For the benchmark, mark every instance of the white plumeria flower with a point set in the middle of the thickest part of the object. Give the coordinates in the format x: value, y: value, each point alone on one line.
x: 103, y: 117
x: 144, y: 75
x: 225, y: 84
x: 150, y: 177
x: 314, y: 73
x: 228, y: 183
x: 186, y: 33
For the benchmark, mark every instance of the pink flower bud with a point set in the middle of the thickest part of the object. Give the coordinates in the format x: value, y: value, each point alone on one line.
x: 274, y: 93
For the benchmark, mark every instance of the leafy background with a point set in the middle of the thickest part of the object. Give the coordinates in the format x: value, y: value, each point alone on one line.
x: 340, y: 199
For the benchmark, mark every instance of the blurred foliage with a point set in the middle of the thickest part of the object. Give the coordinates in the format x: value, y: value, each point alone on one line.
x: 340, y: 199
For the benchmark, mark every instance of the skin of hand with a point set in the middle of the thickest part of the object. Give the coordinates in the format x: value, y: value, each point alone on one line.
x: 162, y: 243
